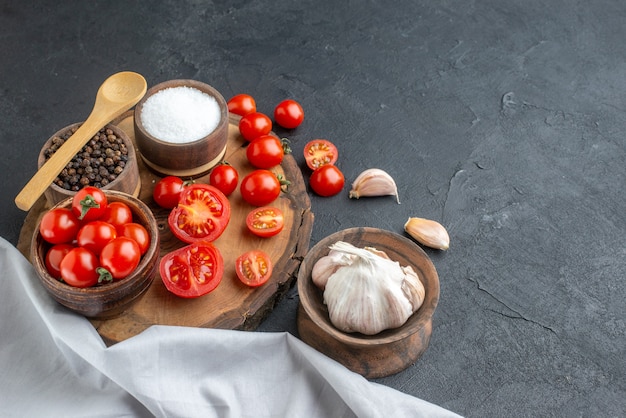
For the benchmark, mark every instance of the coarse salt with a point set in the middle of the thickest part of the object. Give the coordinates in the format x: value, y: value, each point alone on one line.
x: 180, y: 114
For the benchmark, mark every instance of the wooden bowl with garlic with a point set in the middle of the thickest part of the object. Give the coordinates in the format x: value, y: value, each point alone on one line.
x: 367, y: 298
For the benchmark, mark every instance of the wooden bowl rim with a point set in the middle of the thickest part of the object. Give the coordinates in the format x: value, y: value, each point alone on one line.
x: 418, y: 321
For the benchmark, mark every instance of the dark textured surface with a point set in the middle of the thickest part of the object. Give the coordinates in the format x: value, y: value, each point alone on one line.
x: 503, y: 120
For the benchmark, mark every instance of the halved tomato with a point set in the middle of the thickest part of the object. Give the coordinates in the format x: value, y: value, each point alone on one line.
x: 320, y: 152
x: 192, y: 271
x: 254, y: 268
x: 202, y: 214
x: 265, y: 221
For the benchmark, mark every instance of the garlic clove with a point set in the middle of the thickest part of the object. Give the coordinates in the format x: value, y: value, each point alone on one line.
x: 327, y: 265
x: 374, y: 182
x: 428, y: 232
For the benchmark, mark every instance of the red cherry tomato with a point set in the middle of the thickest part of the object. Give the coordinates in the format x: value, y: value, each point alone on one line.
x: 192, y: 271
x: 53, y: 258
x: 265, y: 221
x: 117, y: 214
x: 89, y: 203
x: 137, y: 233
x: 59, y: 226
x: 241, y: 104
x: 253, y: 268
x: 95, y: 235
x: 225, y: 177
x: 79, y: 268
x: 327, y: 180
x: 265, y: 151
x: 320, y: 152
x: 289, y: 114
x: 202, y: 214
x: 254, y: 124
x: 120, y: 257
x: 260, y: 188
x: 167, y: 191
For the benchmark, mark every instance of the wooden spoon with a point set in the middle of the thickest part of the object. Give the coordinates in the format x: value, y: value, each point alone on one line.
x: 116, y: 95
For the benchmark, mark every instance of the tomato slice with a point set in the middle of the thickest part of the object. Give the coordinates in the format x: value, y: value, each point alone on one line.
x: 254, y: 268
x: 320, y: 152
x: 202, y: 214
x: 192, y: 271
x: 265, y: 221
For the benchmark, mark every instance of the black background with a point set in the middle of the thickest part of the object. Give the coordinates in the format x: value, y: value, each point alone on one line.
x: 503, y: 120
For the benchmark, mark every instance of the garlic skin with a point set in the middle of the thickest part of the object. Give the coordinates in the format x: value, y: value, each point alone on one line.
x: 372, y: 293
x: 428, y: 232
x: 374, y: 182
x: 327, y: 265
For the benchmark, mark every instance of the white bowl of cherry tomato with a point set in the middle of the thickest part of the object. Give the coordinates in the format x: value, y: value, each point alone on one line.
x: 96, y: 252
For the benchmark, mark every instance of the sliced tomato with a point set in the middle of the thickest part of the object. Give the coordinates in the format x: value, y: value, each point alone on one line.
x: 265, y: 221
x: 320, y: 152
x: 202, y: 214
x: 254, y: 268
x: 192, y: 271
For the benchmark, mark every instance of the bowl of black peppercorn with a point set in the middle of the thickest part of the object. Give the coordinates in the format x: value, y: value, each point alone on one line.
x: 107, y: 161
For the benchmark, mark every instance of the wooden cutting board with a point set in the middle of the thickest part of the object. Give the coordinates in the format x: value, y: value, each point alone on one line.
x: 232, y: 305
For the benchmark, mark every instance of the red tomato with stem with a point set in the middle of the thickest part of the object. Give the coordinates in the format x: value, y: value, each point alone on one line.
x: 79, y: 268
x: 54, y: 255
x: 95, y: 235
x: 320, y: 152
x: 261, y: 187
x: 192, y: 271
x: 137, y: 233
x: 167, y: 191
x: 202, y: 214
x: 59, y: 226
x: 265, y: 221
x: 254, y: 124
x: 89, y: 203
x: 120, y: 257
x: 117, y: 214
x: 267, y: 151
x: 289, y: 114
x: 224, y: 177
x: 253, y: 268
x: 327, y: 180
x: 241, y: 104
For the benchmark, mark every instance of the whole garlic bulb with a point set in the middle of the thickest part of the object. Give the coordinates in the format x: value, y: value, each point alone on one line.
x: 371, y: 293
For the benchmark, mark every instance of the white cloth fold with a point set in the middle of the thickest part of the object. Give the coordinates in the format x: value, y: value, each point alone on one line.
x: 54, y: 363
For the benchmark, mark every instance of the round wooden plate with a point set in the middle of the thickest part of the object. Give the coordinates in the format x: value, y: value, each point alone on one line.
x: 232, y: 305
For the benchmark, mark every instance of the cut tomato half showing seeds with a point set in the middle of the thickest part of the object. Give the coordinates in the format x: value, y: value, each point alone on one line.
x: 320, y: 152
x: 254, y: 268
x: 192, y: 271
x: 202, y: 214
x: 265, y: 221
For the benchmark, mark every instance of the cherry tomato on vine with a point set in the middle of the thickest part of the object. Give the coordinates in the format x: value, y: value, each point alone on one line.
x: 192, y: 271
x: 254, y: 124
x: 241, y: 104
x: 53, y: 258
x: 137, y: 233
x: 117, y: 214
x: 327, y: 180
x: 225, y: 177
x: 266, y: 151
x: 289, y: 114
x: 120, y: 257
x: 265, y: 221
x: 89, y: 203
x: 202, y: 214
x: 260, y: 187
x: 95, y: 235
x: 79, y: 268
x: 59, y: 226
x: 253, y: 268
x: 167, y: 191
x: 320, y: 152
